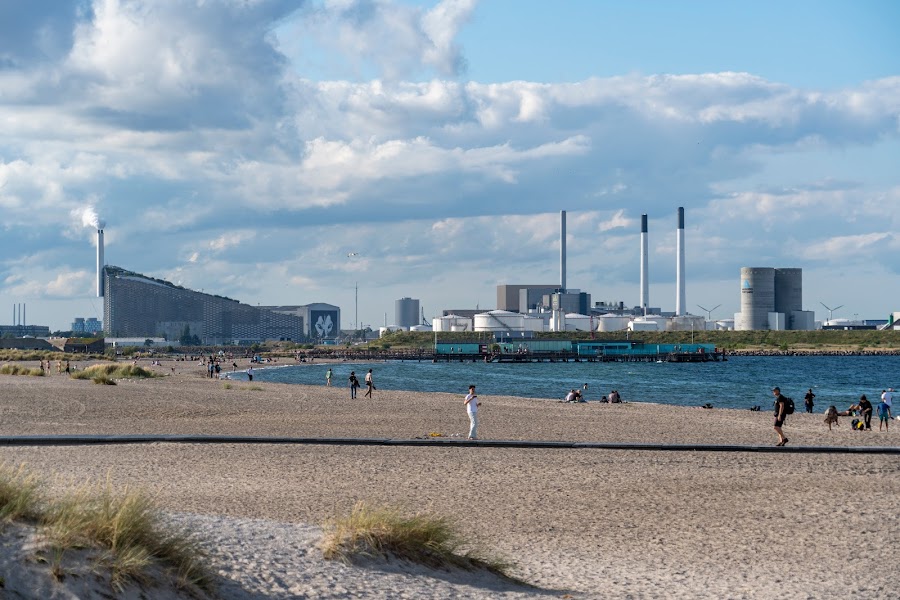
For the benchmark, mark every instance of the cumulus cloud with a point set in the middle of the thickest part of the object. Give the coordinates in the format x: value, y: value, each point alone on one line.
x: 205, y: 133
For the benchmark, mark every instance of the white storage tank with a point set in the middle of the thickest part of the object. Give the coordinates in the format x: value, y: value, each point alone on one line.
x: 725, y: 324
x: 578, y: 322
x: 500, y: 320
x: 382, y: 331
x: 611, y: 322
x: 420, y: 328
x: 535, y: 324
x: 451, y: 323
x: 642, y: 324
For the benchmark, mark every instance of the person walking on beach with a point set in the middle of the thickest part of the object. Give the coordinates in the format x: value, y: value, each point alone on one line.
x: 472, y: 405
x: 884, y: 416
x: 370, y: 385
x: 888, y: 397
x: 249, y: 373
x: 865, y: 409
x: 808, y: 400
x: 328, y: 377
x: 780, y: 415
x: 354, y: 384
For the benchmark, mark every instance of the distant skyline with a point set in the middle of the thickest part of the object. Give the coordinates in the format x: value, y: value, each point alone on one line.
x: 279, y: 152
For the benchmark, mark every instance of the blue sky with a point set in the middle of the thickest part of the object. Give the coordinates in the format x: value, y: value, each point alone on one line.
x: 248, y: 149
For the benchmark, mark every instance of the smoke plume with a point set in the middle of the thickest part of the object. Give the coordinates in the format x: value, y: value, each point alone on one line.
x: 89, y: 218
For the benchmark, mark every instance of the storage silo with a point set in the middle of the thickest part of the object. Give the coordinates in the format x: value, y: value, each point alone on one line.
x: 788, y: 291
x: 757, y: 297
x: 406, y: 312
x: 500, y: 320
x: 612, y: 322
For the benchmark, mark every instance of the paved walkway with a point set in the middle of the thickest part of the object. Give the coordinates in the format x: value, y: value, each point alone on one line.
x: 100, y: 440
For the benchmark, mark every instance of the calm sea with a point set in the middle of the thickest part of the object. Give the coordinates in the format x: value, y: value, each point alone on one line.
x: 740, y: 382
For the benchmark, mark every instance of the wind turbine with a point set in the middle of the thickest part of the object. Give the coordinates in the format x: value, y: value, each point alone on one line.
x: 831, y: 310
x: 709, y: 311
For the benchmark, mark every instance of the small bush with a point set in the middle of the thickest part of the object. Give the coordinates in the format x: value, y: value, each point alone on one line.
x: 227, y: 386
x: 103, y: 380
x: 15, y: 369
x: 425, y: 539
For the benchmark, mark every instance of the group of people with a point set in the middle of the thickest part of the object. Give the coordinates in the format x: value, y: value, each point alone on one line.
x: 863, y: 408
x: 580, y: 396
x: 353, y: 380
x: 45, y: 367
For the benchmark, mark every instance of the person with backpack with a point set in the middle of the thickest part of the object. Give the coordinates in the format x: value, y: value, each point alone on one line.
x: 783, y: 407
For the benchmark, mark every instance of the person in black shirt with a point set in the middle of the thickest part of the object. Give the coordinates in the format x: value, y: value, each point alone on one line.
x: 780, y: 416
x: 865, y: 408
x: 809, y: 400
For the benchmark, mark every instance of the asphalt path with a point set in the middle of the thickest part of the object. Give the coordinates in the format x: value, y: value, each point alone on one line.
x: 103, y: 440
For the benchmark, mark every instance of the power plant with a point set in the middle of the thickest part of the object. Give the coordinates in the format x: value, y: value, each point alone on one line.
x: 772, y: 298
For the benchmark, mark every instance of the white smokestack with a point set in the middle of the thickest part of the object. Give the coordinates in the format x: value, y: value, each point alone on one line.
x: 645, y: 290
x: 100, y: 263
x: 679, y: 272
x: 562, y: 251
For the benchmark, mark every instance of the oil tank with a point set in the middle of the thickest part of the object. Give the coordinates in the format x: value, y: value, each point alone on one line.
x: 578, y: 322
x: 499, y: 320
x: 757, y: 297
x: 612, y: 322
x: 788, y: 291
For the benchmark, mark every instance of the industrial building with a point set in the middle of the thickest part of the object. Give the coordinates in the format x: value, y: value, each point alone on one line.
x: 772, y: 298
x: 406, y: 313
x: 139, y: 306
x: 320, y: 320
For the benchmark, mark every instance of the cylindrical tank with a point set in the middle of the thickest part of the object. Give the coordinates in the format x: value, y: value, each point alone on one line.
x: 458, y: 328
x: 725, y: 324
x: 535, y: 324
x: 406, y: 312
x: 382, y: 331
x: 448, y: 323
x: 499, y: 320
x: 757, y: 297
x: 578, y: 322
x: 788, y: 290
x: 420, y: 328
x: 611, y: 322
x: 643, y: 325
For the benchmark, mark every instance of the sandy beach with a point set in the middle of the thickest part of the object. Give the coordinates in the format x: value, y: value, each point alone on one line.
x: 587, y: 523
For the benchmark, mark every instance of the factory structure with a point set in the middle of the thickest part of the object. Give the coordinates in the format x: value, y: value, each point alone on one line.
x: 524, y: 309
x: 772, y: 298
x: 138, y: 306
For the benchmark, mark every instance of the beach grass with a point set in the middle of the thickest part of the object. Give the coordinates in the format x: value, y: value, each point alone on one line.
x: 124, y: 525
x: 107, y: 373
x: 422, y: 538
x: 14, y: 369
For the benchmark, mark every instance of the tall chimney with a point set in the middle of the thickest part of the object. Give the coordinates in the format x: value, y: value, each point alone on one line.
x: 645, y: 290
x: 679, y: 271
x: 562, y: 251
x: 100, y: 263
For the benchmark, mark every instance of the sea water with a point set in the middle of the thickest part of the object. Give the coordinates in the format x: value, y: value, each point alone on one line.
x: 739, y: 382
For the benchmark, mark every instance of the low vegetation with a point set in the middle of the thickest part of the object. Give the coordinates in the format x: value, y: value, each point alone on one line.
x: 729, y: 340
x: 125, y: 527
x: 21, y: 370
x: 422, y: 538
x: 106, y: 374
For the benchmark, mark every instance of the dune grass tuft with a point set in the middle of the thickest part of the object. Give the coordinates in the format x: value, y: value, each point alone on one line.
x: 14, y: 369
x: 19, y: 493
x: 105, y: 373
x: 129, y: 528
x: 126, y: 526
x: 421, y: 538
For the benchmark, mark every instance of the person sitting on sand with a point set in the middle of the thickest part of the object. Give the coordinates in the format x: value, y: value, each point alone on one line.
x: 851, y: 411
x: 570, y: 397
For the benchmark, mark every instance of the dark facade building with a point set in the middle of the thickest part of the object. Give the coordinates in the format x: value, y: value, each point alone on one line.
x: 136, y: 305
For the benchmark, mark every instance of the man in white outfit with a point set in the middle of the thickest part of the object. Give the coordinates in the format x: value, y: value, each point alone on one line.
x: 472, y: 405
x: 888, y: 397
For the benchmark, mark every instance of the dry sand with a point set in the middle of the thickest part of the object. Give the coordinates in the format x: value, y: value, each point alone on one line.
x: 588, y: 523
